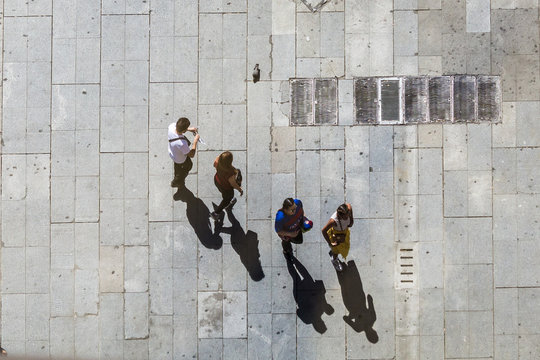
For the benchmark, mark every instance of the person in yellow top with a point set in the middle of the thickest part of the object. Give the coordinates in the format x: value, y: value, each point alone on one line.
x: 337, y: 235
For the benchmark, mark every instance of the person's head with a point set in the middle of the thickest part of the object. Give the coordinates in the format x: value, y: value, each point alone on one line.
x: 289, y: 206
x: 182, y: 125
x: 343, y: 212
x: 225, y: 160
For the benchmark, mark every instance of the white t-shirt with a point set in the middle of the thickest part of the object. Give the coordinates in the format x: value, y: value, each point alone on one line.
x: 341, y: 224
x: 178, y: 149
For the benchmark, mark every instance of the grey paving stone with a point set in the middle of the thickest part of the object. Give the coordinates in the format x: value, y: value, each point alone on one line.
x: 161, y: 66
x: 456, y: 241
x: 62, y: 246
x: 432, y: 347
x: 13, y: 223
x: 526, y: 210
x: 380, y: 143
x: 407, y: 313
x: 111, y: 222
x: 429, y: 32
x: 283, y: 343
x: 478, y: 19
x: 407, y: 218
x: 406, y: 170
x: 405, y: 33
x: 456, y: 286
x: 86, y: 292
x: 185, y: 246
x: 161, y: 246
x: 37, y: 270
x: 136, y: 90
x: 480, y: 287
x: 527, y: 263
x: 112, y: 128
x: 135, y: 315
x: 160, y: 343
x: 430, y: 65
x: 235, y: 348
x: 234, y: 272
x: 332, y: 34
x: 136, y: 268
x: 62, y: 342
x: 505, y: 346
x: 332, y: 178
x: 211, y: 348
x: 528, y: 346
x: 407, y: 347
x: 87, y: 199
x: 481, y: 334
x: 63, y: 153
x: 405, y: 137
x: 111, y: 269
x: 525, y: 117
x: 13, y: 270
x: 479, y: 193
x: 357, y: 193
x: 283, y: 47
x: 161, y: 292
x: 505, y: 263
x: 62, y: 292
x: 430, y: 218
x: 234, y: 314
x: 184, y: 292
x: 357, y: 61
x: 282, y: 287
x: 455, y: 195
x: 308, y: 35
x: 504, y: 171
x: 111, y: 317
x: 430, y: 272
x: 62, y: 199
x: 259, y: 19
x: 457, y: 334
x: 136, y: 349
x: 85, y: 340
x: 479, y: 146
x: 259, y: 336
x: 185, y: 335
x: 234, y: 91
x: 505, y: 312
x: 480, y: 240
x: 380, y: 199
x: 431, y: 317
x: 136, y: 221
x: 210, y: 314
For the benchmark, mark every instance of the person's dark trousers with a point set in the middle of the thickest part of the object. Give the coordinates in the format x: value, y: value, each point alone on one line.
x: 287, y: 247
x: 180, y: 172
x: 227, y: 197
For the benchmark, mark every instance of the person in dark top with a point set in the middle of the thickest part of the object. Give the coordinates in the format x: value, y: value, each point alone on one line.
x: 290, y: 224
x: 226, y: 180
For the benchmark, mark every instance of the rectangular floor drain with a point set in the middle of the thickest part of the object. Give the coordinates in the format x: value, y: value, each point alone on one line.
x: 406, y: 266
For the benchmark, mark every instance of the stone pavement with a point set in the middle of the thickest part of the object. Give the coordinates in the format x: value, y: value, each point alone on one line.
x: 99, y: 262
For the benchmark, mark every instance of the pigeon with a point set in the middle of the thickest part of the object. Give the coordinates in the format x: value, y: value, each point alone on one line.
x: 256, y: 73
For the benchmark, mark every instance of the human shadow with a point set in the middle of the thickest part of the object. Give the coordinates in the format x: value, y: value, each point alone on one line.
x: 309, y: 295
x: 198, y: 216
x: 246, y: 246
x: 360, y: 318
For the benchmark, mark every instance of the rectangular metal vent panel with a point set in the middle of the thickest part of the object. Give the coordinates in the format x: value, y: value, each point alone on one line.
x: 464, y: 98
x: 365, y: 100
x: 489, y: 95
x: 440, y: 98
x: 406, y: 275
x: 325, y: 101
x: 301, y: 101
x: 390, y: 100
x: 416, y: 99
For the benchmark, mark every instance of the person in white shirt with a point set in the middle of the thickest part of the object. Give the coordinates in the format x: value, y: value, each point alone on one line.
x: 337, y: 235
x: 180, y: 151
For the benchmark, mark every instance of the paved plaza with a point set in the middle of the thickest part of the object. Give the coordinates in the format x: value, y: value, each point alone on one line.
x: 99, y: 262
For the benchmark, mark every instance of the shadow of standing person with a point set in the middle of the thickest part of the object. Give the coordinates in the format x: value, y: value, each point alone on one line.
x: 309, y: 295
x: 360, y: 318
x: 198, y: 216
x: 246, y: 246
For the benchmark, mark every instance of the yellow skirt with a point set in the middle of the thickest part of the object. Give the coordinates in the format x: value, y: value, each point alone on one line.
x: 344, y: 247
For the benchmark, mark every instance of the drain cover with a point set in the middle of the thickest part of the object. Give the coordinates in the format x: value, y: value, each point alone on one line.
x: 406, y: 265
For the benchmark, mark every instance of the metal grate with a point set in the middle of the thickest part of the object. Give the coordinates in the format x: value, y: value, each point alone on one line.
x: 406, y: 266
x: 314, y: 101
x: 365, y: 100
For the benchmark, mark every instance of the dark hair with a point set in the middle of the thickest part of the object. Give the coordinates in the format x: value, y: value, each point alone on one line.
x: 342, y: 211
x: 287, y: 203
x: 182, y: 124
x: 225, y: 161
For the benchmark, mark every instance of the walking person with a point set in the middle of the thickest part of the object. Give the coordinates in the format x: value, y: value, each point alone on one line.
x: 337, y: 235
x: 180, y: 151
x: 290, y: 224
x: 227, y: 179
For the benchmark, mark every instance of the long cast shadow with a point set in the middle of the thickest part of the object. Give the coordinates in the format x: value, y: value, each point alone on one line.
x: 246, y: 246
x: 361, y: 317
x: 309, y: 295
x: 198, y: 216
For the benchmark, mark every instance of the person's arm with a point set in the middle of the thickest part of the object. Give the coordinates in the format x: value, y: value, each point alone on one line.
x: 193, y: 129
x: 351, y: 215
x: 329, y: 224
x: 191, y: 153
x: 234, y: 184
x: 216, y: 161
